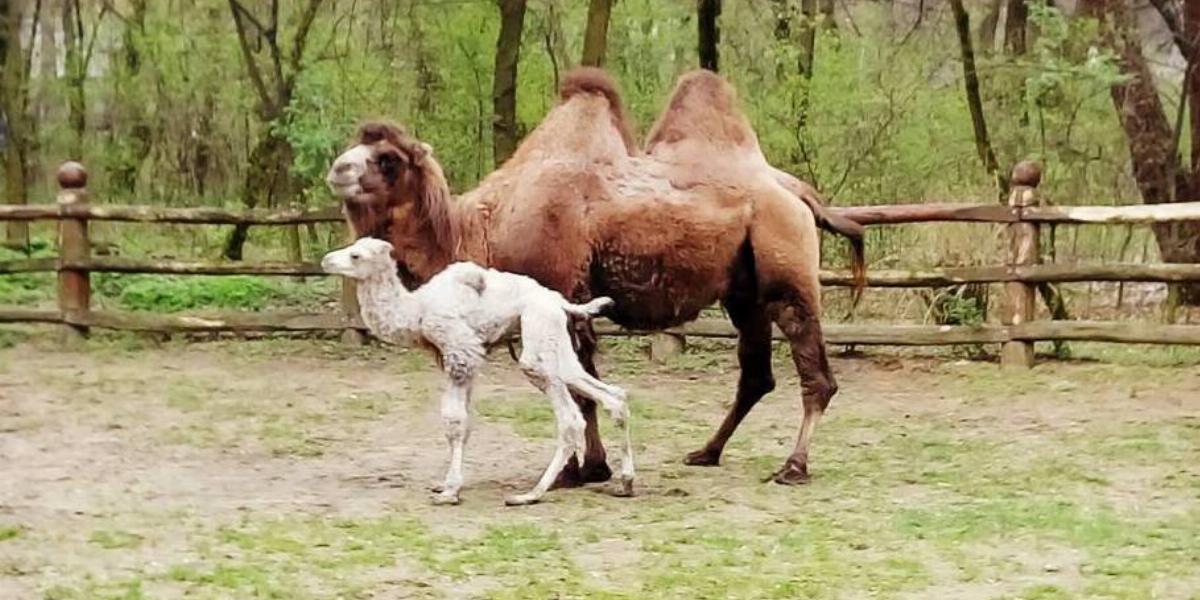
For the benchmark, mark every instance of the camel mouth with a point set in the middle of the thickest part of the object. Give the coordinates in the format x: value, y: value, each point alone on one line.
x: 344, y: 189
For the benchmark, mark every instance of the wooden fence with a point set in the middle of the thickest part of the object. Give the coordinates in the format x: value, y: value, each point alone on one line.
x: 1020, y: 273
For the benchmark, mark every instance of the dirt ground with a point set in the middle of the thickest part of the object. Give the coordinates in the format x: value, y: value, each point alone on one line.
x: 299, y: 468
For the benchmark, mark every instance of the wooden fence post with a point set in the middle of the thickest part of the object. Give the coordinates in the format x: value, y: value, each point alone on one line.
x: 1019, y: 296
x: 74, y: 285
x: 350, y: 312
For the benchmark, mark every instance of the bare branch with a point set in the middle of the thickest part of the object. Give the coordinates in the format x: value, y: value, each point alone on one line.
x: 300, y: 41
x: 240, y: 17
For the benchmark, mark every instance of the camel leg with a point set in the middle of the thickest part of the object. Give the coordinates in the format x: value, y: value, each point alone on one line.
x: 613, y: 400
x: 799, y: 323
x: 456, y: 421
x: 756, y: 380
x: 595, y: 460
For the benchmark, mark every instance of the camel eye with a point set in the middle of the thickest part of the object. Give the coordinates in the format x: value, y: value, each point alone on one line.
x: 355, y: 256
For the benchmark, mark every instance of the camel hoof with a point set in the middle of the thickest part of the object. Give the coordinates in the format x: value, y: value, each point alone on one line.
x: 437, y: 488
x: 702, y: 458
x: 791, y: 474
x: 596, y: 472
x: 521, y: 500
x: 444, y: 499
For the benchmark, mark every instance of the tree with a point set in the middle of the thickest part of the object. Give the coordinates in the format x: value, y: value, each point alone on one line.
x: 130, y: 148
x: 78, y: 58
x: 707, y: 12
x: 505, y: 134
x: 268, y: 178
x: 1159, y: 171
x: 983, y: 144
x: 14, y: 104
x: 595, y: 37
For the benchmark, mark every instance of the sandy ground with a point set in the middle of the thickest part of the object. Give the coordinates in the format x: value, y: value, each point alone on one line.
x: 126, y: 463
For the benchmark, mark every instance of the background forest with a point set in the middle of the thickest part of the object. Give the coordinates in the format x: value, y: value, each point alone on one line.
x: 211, y: 102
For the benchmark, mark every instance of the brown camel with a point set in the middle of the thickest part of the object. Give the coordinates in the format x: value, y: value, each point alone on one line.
x: 700, y: 216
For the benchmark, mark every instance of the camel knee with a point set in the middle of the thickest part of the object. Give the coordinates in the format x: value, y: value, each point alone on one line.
x: 757, y: 384
x: 819, y: 389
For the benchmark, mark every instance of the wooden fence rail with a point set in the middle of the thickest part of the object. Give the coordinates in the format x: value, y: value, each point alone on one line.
x: 1020, y: 273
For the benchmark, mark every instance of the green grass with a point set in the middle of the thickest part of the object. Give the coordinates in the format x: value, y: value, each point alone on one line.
x: 116, y: 539
x: 9, y: 532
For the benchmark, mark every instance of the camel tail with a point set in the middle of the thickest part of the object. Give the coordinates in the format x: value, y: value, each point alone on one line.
x: 834, y: 223
x: 595, y: 81
x: 590, y: 309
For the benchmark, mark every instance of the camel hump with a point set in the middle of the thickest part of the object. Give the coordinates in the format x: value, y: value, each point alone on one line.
x: 590, y: 80
x: 596, y: 82
x: 703, y: 109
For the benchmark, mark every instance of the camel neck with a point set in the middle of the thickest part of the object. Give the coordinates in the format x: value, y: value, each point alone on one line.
x: 389, y: 310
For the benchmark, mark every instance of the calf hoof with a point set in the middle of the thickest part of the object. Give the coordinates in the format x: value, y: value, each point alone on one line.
x: 625, y: 490
x: 791, y: 474
x: 446, y: 499
x: 702, y: 458
x: 522, y: 499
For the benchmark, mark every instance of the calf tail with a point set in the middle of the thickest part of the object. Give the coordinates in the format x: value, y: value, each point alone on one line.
x: 590, y: 309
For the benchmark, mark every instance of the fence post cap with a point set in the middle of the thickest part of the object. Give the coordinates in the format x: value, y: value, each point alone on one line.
x: 72, y: 175
x: 1026, y: 173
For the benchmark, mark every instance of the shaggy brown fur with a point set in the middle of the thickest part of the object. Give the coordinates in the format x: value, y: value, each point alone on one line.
x: 700, y: 217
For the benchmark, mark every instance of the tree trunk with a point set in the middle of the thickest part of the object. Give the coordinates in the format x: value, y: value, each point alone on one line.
x: 268, y: 180
x: 136, y: 141
x: 595, y: 38
x: 505, y: 135
x: 76, y: 75
x: 707, y: 12
x: 808, y: 37
x: 987, y: 27
x: 14, y: 104
x: 1191, y: 29
x: 1157, y: 169
x: 1015, y: 27
x: 828, y: 18
x: 983, y: 144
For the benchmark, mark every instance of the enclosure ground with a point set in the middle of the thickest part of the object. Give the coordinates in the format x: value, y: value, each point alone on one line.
x: 299, y: 468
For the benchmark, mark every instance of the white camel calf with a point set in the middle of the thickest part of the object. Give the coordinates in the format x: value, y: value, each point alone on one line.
x: 463, y: 311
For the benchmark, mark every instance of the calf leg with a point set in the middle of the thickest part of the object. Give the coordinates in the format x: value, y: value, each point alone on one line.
x: 755, y: 381
x: 613, y: 400
x: 595, y: 460
x: 799, y: 323
x: 460, y: 367
x: 456, y: 421
x: 542, y: 371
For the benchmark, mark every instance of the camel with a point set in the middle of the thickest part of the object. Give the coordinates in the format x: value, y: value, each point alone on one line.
x: 698, y: 217
x: 460, y: 313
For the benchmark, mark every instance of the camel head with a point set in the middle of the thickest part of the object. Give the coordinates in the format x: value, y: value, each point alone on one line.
x: 388, y: 175
x: 363, y: 259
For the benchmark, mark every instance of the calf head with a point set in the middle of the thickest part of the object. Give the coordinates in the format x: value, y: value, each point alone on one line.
x: 365, y: 258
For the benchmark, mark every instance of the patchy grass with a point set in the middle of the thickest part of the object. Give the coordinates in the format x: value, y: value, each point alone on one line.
x: 306, y: 465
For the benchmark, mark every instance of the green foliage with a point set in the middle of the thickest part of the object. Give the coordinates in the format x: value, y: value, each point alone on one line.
x: 174, y: 294
x: 27, y: 288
